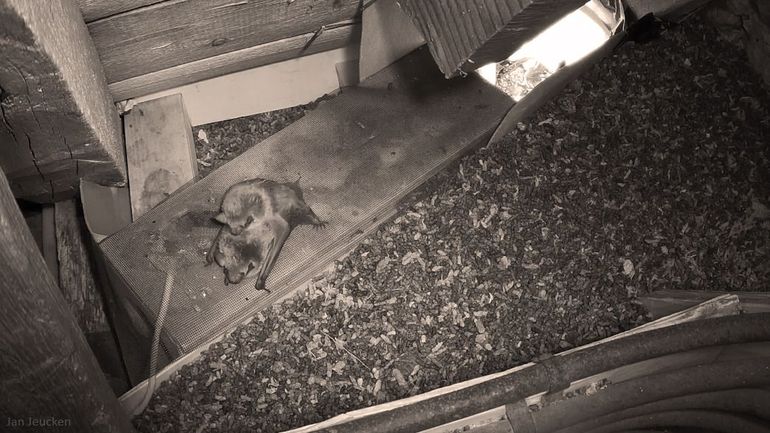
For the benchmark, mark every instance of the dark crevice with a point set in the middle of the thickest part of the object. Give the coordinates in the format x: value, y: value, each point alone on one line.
x: 34, y: 157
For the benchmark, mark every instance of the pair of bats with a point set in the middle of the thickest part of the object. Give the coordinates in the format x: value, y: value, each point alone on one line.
x: 257, y: 217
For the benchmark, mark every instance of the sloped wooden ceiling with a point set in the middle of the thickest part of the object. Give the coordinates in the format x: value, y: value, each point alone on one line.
x: 149, y: 45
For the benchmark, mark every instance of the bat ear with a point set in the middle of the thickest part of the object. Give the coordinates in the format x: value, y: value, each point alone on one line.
x: 221, y: 218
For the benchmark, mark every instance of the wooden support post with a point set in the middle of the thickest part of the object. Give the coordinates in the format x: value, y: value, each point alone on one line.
x: 76, y: 275
x: 58, y: 121
x: 160, y: 150
x: 48, y: 376
x: 466, y: 34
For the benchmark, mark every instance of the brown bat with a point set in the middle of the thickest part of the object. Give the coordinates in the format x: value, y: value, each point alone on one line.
x: 258, y: 216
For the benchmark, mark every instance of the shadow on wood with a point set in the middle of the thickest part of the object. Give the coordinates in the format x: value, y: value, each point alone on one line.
x: 47, y: 371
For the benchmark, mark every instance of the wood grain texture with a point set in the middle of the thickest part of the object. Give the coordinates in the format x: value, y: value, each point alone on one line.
x: 50, y: 254
x: 93, y: 10
x: 160, y: 150
x: 466, y: 34
x: 234, y: 61
x: 57, y: 115
x: 388, y: 34
x: 173, y: 33
x: 47, y: 370
x: 76, y: 275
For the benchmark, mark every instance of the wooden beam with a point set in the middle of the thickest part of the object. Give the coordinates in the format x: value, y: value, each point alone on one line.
x: 161, y: 152
x: 93, y: 10
x: 466, y: 34
x: 59, y: 122
x: 173, y: 33
x: 47, y: 372
x: 76, y: 275
x: 339, y: 35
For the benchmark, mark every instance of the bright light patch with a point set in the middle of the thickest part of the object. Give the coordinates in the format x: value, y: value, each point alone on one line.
x: 563, y: 43
x: 566, y: 41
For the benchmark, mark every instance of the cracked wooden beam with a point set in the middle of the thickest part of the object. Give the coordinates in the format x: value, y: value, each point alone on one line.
x: 58, y: 123
x: 466, y: 34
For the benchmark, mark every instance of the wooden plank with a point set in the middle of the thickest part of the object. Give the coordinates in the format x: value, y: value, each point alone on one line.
x: 466, y: 34
x: 502, y: 426
x: 341, y: 35
x: 49, y: 251
x: 57, y: 114
x: 173, y: 33
x: 388, y: 34
x: 47, y: 372
x: 664, y: 302
x: 160, y: 150
x: 75, y: 269
x: 493, y: 420
x: 93, y: 10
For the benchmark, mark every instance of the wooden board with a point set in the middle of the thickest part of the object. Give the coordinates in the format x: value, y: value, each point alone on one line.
x: 173, y: 33
x: 664, y: 302
x: 47, y: 371
x: 75, y: 269
x: 346, y: 34
x: 387, y: 35
x: 93, y: 10
x: 466, y: 34
x: 58, y: 117
x: 49, y: 249
x: 358, y: 154
x: 160, y: 150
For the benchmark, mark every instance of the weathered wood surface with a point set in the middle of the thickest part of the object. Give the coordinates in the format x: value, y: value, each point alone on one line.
x: 47, y: 371
x: 664, y: 302
x: 48, y: 237
x: 466, y: 34
x: 173, y: 33
x: 59, y: 123
x: 76, y: 274
x: 93, y: 10
x: 160, y: 150
x: 387, y: 35
x: 345, y: 34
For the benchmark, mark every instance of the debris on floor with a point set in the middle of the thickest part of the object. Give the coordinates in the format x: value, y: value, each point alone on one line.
x: 650, y: 172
